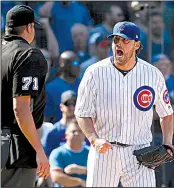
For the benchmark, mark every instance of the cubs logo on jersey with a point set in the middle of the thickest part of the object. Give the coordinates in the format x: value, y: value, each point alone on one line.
x: 166, y: 97
x: 144, y: 98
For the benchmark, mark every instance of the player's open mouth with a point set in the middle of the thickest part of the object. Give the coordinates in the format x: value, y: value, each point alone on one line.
x: 119, y: 53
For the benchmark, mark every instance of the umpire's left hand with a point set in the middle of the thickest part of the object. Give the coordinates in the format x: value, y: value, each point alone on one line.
x: 43, y: 167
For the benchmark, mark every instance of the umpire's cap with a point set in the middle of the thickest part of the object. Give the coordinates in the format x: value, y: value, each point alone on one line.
x: 127, y: 30
x: 20, y: 15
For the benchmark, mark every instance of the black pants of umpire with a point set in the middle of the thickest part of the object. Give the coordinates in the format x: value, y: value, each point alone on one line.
x: 15, y: 177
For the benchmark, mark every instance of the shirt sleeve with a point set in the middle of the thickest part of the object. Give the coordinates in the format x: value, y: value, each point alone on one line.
x: 87, y: 93
x: 163, y: 105
x: 56, y: 159
x: 29, y: 73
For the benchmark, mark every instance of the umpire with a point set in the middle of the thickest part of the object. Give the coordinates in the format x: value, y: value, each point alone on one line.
x: 23, y: 99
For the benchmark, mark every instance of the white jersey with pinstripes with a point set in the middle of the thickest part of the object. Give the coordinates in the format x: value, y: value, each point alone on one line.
x: 123, y: 105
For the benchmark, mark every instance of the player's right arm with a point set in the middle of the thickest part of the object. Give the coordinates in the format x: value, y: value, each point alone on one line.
x: 26, y: 83
x: 87, y: 126
x: 85, y: 111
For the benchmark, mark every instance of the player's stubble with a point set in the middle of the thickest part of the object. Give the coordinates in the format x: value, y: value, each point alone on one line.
x: 126, y: 56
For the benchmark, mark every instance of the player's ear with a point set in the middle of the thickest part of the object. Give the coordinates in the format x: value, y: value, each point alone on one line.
x: 137, y: 45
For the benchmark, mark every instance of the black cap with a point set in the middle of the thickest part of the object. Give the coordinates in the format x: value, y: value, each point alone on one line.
x: 20, y: 15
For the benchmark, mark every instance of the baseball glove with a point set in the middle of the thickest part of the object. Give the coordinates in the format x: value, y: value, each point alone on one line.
x: 154, y: 156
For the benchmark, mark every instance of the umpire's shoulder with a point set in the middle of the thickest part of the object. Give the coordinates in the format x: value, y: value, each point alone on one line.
x: 36, y: 53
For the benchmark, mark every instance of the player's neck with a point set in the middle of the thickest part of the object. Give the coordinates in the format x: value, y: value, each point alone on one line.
x: 128, y: 66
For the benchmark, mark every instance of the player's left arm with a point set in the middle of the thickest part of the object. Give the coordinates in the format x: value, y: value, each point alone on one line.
x: 165, y: 111
x: 167, y: 126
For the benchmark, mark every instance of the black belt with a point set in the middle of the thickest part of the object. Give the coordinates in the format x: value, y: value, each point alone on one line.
x: 120, y: 144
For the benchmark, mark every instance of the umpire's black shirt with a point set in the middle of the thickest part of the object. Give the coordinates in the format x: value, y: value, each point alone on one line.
x: 24, y: 70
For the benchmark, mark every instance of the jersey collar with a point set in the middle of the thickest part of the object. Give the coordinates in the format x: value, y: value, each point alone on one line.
x: 14, y: 37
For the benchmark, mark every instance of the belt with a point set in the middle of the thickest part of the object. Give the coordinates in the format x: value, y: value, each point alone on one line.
x: 120, y: 144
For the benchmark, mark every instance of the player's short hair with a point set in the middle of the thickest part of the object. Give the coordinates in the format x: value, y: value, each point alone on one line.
x: 14, y: 30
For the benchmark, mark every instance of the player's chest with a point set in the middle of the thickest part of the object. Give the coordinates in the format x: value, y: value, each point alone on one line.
x: 130, y: 90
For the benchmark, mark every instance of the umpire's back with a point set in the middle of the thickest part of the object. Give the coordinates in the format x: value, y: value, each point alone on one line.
x: 13, y: 47
x: 23, y: 73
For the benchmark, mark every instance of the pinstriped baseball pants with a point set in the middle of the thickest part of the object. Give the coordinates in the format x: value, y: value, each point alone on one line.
x: 119, y: 164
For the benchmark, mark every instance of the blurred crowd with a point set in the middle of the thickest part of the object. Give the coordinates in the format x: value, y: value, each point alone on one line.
x: 73, y: 36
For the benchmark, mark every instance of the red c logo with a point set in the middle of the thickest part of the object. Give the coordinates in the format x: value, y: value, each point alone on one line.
x: 145, y: 98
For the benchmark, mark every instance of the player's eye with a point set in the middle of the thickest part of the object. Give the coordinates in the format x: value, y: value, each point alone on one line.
x: 116, y: 39
x: 126, y: 41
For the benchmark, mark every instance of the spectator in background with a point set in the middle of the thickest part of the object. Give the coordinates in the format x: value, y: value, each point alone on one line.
x: 141, y: 14
x: 112, y: 15
x: 98, y: 8
x: 163, y: 63
x: 168, y: 20
x: 35, y: 5
x: 65, y: 14
x: 161, y: 41
x: 92, y: 45
x: 52, y: 44
x: 53, y: 136
x: 80, y: 36
x: 51, y: 50
x: 45, y: 40
x: 67, y: 80
x: 68, y: 162
x: 102, y: 51
x: 56, y: 136
x: 48, y: 58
